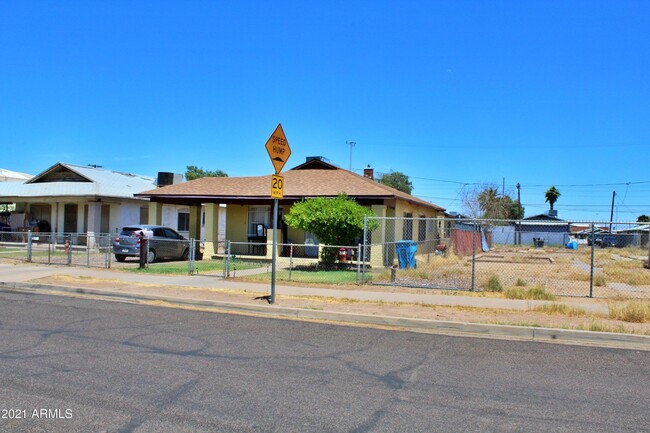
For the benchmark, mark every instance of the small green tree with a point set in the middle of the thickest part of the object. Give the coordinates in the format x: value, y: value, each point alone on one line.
x: 194, y: 172
x: 334, y: 221
x: 552, y: 195
x: 643, y: 218
x: 397, y: 180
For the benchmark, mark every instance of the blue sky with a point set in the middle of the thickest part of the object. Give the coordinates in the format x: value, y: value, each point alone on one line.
x: 455, y: 94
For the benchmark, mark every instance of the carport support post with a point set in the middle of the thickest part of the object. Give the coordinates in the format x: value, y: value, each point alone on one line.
x: 273, y: 248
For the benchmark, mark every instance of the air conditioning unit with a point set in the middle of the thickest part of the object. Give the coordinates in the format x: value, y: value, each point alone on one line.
x: 166, y: 178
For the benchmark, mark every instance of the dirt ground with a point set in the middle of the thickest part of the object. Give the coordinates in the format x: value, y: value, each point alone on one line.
x: 568, y: 320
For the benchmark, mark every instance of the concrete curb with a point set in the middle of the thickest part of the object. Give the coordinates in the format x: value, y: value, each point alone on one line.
x: 523, y: 333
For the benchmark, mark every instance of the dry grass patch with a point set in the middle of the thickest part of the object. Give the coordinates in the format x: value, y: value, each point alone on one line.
x: 577, y: 275
x: 629, y: 272
x: 534, y: 293
x: 599, y: 281
x: 634, y: 311
x: 598, y: 326
x: 560, y: 309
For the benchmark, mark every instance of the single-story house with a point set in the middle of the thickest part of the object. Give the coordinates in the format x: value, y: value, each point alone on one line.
x: 13, y: 176
x: 541, y: 229
x: 69, y: 198
x: 637, y: 236
x: 249, y: 206
x: 546, y: 227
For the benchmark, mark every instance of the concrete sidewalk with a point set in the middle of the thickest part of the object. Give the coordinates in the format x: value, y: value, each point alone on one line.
x: 207, y: 291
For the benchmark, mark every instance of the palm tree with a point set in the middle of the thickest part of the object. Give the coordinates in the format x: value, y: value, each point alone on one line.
x: 552, y: 195
x: 488, y: 202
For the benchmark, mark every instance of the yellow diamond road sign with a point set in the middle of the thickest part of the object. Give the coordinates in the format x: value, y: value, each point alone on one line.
x: 278, y: 148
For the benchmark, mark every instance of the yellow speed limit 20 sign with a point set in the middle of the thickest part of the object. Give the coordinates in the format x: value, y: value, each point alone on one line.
x: 277, y: 186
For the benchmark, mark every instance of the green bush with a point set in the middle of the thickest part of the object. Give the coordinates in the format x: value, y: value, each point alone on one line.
x: 494, y: 285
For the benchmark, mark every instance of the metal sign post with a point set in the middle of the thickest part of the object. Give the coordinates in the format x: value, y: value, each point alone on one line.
x: 279, y: 151
x: 274, y: 249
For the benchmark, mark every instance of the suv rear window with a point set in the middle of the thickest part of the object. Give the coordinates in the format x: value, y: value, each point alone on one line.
x: 128, y: 231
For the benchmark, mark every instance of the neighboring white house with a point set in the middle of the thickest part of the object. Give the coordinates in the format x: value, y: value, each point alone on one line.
x: 68, y: 198
x: 13, y: 176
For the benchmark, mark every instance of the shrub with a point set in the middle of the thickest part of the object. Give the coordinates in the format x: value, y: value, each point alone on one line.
x: 520, y: 282
x: 599, y: 281
x: 494, y: 285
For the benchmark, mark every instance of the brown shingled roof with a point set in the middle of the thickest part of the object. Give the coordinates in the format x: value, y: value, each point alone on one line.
x: 298, y: 184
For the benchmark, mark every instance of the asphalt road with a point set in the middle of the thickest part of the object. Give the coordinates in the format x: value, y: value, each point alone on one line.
x: 77, y: 365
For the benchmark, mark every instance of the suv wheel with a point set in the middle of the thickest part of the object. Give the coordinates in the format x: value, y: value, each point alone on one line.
x: 120, y: 257
x: 151, y: 256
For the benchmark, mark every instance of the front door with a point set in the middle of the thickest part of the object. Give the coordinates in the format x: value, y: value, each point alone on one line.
x: 70, y: 218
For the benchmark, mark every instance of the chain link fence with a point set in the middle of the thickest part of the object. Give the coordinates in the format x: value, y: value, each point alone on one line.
x: 586, y: 259
x: 64, y: 249
x: 549, y: 255
x: 298, y: 263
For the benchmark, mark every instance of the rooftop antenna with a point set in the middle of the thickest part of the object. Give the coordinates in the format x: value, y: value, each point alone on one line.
x: 352, y: 144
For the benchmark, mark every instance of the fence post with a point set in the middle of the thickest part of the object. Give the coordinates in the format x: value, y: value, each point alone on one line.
x: 190, y: 262
x: 593, y: 252
x: 95, y: 243
x: 67, y: 248
x: 108, y: 239
x: 29, y: 245
x: 226, y: 262
x: 290, y: 260
x: 363, y: 253
x: 358, y: 263
x: 474, y: 255
x: 641, y: 236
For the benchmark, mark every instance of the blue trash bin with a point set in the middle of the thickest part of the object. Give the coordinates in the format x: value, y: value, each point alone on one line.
x: 406, y: 254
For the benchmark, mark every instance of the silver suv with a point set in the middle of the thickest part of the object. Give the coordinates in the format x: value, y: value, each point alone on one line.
x: 164, y: 243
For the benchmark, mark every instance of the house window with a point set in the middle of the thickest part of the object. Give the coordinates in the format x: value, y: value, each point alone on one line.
x: 408, y: 226
x: 183, y: 221
x: 257, y: 215
x: 144, y: 214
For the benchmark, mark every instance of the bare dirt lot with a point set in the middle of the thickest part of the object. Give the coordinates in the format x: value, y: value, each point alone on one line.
x: 617, y: 272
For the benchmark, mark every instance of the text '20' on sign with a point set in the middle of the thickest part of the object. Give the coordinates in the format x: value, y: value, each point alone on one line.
x: 277, y: 186
x: 278, y: 148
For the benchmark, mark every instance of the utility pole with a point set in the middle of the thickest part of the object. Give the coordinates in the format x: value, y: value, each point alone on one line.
x: 611, y: 214
x: 518, y: 211
x: 352, y: 144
